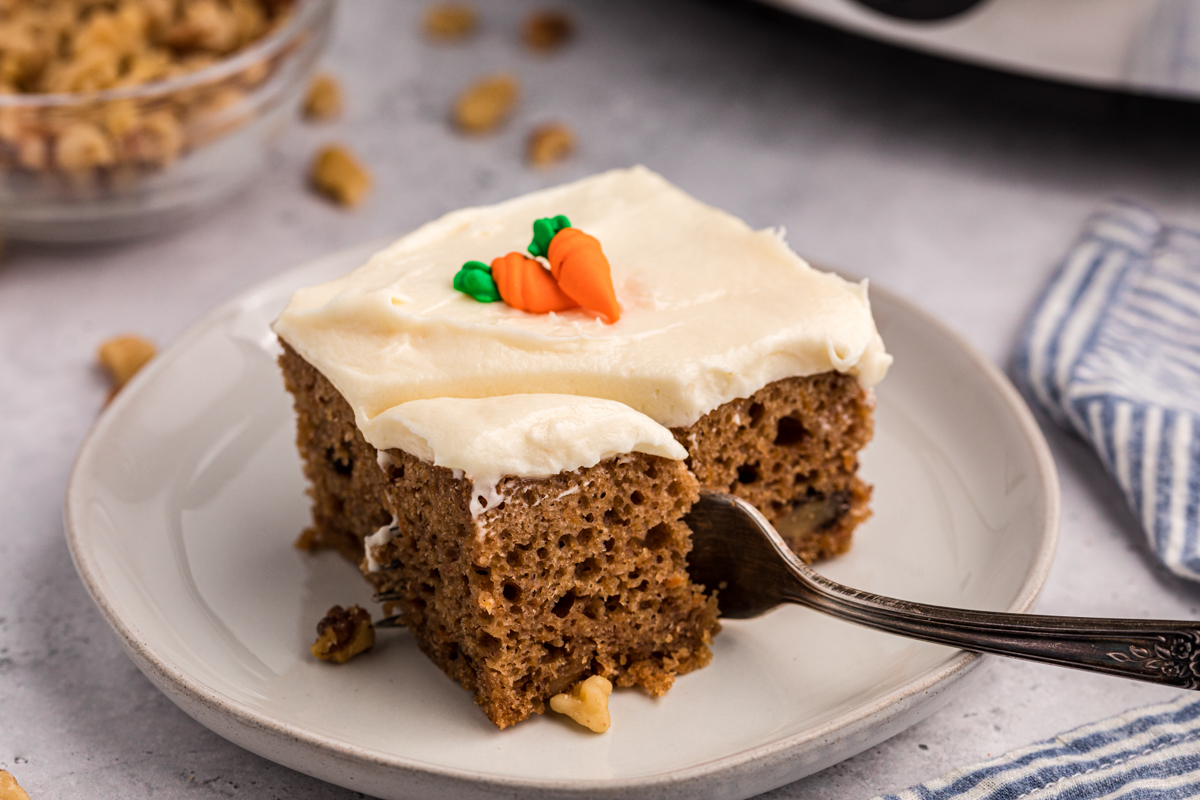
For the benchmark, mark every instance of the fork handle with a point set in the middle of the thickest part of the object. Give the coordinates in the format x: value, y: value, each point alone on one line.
x: 1157, y: 651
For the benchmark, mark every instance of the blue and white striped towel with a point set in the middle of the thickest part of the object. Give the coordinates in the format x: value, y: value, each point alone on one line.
x: 1112, y: 351
x: 1146, y: 754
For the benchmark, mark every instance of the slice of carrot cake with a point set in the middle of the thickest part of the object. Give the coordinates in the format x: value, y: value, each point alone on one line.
x: 511, y: 448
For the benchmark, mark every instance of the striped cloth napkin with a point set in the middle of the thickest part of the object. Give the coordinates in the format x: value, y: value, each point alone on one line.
x: 1112, y: 351
x: 1149, y: 753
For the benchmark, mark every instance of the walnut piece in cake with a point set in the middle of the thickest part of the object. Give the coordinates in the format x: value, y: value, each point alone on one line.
x: 587, y: 703
x: 343, y: 634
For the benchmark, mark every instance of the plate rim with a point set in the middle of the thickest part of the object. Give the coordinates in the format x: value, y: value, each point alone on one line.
x: 177, y: 685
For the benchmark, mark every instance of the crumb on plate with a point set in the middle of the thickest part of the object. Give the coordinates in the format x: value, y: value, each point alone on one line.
x: 338, y: 175
x: 324, y: 98
x: 487, y: 103
x: 586, y: 703
x: 343, y: 634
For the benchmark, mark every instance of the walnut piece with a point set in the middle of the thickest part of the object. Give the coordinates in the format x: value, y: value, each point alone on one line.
x: 547, y: 30
x: 122, y: 357
x: 83, y: 146
x: 487, y: 103
x: 586, y: 703
x: 450, y: 22
x: 324, y: 98
x: 338, y: 175
x: 549, y: 144
x: 9, y: 790
x: 343, y: 634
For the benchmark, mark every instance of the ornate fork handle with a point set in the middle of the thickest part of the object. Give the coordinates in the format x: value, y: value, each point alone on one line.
x: 1166, y: 652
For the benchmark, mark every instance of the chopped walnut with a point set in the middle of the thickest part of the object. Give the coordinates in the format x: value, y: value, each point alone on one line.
x: 70, y: 46
x: 324, y: 98
x: 547, y: 30
x: 450, y: 22
x: 343, y: 634
x: 83, y: 146
x: 587, y: 703
x: 485, y: 104
x: 122, y: 357
x: 85, y: 45
x: 9, y: 790
x: 550, y: 143
x: 155, y: 139
x: 338, y: 175
x: 204, y: 25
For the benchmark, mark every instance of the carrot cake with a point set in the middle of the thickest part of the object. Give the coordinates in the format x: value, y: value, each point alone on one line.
x: 511, y: 449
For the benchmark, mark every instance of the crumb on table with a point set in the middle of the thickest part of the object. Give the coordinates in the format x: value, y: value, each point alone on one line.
x: 446, y: 22
x: 487, y: 103
x: 338, y: 175
x: 586, y: 703
x: 547, y: 30
x: 549, y: 144
x: 9, y: 790
x: 343, y: 634
x: 123, y: 356
x: 324, y: 98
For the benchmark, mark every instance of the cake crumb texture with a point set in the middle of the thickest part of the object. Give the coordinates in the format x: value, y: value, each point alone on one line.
x: 582, y: 573
x: 791, y: 450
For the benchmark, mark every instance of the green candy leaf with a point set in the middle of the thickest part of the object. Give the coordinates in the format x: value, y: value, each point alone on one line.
x: 543, y: 231
x: 475, y: 279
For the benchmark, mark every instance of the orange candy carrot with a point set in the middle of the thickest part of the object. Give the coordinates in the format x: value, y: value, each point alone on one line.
x: 582, y: 272
x: 526, y: 285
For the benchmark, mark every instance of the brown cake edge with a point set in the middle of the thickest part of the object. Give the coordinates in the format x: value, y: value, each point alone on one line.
x: 354, y: 495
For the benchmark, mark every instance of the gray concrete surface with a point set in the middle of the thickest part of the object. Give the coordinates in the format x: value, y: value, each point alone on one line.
x: 954, y: 187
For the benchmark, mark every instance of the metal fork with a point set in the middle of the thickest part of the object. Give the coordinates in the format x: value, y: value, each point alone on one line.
x: 737, y: 553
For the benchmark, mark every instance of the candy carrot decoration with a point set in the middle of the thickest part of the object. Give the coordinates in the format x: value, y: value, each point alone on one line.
x: 475, y: 279
x: 582, y: 272
x: 526, y: 285
x: 579, y: 274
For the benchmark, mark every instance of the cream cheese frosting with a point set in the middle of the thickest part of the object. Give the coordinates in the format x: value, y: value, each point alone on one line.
x: 711, y: 311
x: 525, y: 435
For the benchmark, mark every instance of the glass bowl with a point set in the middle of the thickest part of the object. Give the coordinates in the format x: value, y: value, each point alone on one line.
x: 122, y: 163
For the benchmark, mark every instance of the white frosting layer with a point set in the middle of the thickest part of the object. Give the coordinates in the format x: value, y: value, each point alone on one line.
x: 711, y: 311
x: 526, y: 435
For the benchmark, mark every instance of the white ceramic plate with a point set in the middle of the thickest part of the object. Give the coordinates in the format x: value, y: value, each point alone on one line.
x: 186, y: 498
